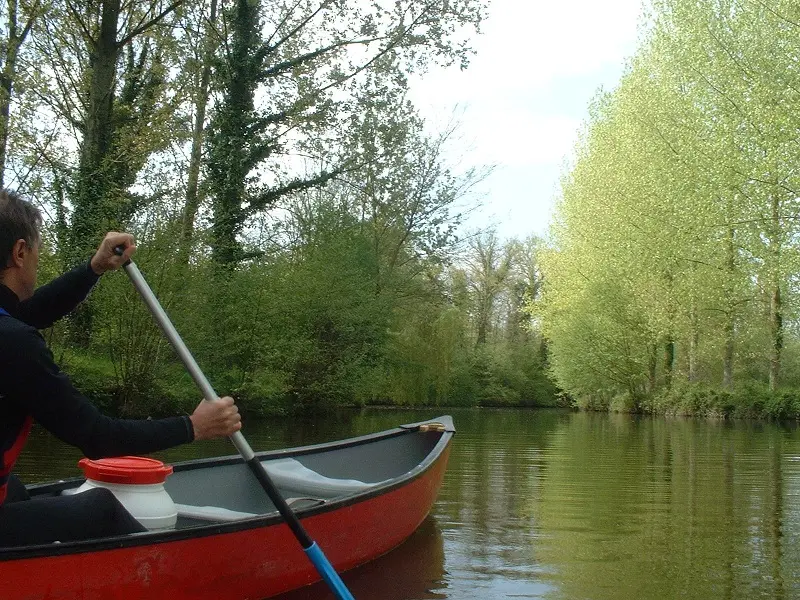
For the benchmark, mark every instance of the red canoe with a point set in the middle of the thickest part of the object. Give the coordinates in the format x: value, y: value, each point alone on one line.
x: 358, y: 499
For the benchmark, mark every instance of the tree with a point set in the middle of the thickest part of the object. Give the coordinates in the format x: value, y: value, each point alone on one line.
x: 117, y: 113
x: 680, y: 202
x: 410, y: 201
x: 488, y: 269
x: 325, y: 48
x: 202, y: 83
x: 19, y: 20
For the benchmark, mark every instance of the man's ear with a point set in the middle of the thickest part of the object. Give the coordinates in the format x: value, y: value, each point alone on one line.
x: 18, y: 253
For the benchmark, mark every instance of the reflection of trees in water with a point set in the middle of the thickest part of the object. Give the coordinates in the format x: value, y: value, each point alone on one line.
x: 492, y: 486
x: 656, y: 508
x: 412, y: 571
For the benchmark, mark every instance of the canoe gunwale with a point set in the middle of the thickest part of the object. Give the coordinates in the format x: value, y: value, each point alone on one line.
x: 256, y: 522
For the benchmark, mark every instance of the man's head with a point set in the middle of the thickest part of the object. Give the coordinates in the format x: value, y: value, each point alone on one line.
x: 20, y: 222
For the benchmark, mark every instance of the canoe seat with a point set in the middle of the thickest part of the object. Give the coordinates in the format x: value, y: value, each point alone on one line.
x: 212, y: 513
x: 218, y: 514
x: 301, y: 486
x: 290, y: 475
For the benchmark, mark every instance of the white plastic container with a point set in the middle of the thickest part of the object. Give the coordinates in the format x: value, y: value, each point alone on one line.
x: 138, y: 483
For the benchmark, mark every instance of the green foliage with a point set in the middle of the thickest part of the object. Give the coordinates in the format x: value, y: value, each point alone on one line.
x: 309, y: 256
x: 670, y: 281
x: 750, y: 401
x: 92, y: 374
x: 302, y: 331
x: 337, y: 322
x: 313, y: 96
x: 592, y: 403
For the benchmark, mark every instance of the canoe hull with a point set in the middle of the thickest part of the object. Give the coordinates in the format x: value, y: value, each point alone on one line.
x: 249, y: 564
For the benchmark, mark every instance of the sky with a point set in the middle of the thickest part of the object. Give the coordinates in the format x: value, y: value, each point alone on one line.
x: 524, y: 97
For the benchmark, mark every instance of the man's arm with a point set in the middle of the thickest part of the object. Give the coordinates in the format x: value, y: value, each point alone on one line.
x: 49, y: 396
x: 56, y: 299
x: 59, y: 297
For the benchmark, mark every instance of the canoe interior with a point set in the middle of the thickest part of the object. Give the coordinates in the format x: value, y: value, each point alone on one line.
x: 233, y: 486
x: 317, y: 476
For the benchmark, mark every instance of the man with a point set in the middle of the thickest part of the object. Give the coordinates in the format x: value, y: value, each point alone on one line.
x: 32, y: 388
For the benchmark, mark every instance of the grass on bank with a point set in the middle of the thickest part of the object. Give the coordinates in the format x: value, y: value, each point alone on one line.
x: 747, y: 401
x: 170, y: 390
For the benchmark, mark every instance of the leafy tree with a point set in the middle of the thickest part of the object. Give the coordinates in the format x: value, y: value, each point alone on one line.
x: 680, y: 203
x: 116, y: 120
x: 19, y: 19
x: 325, y: 48
x: 488, y: 270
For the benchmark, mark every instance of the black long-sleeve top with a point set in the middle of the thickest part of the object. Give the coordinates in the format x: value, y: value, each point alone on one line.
x: 32, y: 385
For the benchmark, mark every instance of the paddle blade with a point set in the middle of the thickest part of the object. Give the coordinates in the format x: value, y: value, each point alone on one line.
x: 325, y: 569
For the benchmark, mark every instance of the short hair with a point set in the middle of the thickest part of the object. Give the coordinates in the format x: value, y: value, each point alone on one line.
x: 19, y: 220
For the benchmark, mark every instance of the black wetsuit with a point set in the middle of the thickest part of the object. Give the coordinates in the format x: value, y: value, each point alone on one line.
x: 33, y: 388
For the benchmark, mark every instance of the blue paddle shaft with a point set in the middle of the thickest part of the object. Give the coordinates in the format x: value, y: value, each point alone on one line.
x: 328, y: 573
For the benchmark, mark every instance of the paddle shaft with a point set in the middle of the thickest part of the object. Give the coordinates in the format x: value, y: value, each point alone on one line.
x: 311, y: 549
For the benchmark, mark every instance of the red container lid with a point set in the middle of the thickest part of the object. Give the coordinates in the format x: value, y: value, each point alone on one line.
x: 125, y: 470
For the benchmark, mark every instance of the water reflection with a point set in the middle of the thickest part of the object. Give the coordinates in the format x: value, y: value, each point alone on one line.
x: 563, y: 506
x: 487, y: 504
x: 665, y: 509
x: 412, y: 571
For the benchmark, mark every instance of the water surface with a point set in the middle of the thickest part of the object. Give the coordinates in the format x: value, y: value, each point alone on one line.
x: 566, y: 506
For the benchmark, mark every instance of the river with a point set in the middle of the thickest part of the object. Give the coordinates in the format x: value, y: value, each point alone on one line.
x: 566, y: 506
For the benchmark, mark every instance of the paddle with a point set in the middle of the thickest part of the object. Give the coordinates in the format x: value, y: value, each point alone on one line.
x: 310, y: 547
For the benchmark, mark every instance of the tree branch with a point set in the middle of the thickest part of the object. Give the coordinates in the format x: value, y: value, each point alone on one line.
x: 267, y: 48
x: 776, y: 13
x: 142, y: 27
x: 290, y: 64
x: 83, y: 27
x: 266, y: 199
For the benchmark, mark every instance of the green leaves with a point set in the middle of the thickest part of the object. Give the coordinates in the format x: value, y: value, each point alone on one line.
x: 293, y: 84
x: 293, y: 211
x: 680, y: 205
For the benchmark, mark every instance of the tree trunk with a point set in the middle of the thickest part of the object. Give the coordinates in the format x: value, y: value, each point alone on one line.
x: 483, y: 322
x: 201, y: 103
x: 230, y: 158
x: 727, y: 359
x: 8, y: 75
x: 669, y: 362
x: 652, y: 369
x: 775, y: 303
x: 6, y: 90
x: 669, y: 346
x: 730, y: 316
x: 94, y: 189
x: 776, y: 336
x: 694, y: 343
x: 94, y: 198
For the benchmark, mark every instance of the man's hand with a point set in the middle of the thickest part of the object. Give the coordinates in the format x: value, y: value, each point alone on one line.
x: 105, y: 259
x: 219, y: 418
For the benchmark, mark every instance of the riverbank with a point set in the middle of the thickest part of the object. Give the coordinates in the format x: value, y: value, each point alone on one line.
x: 170, y: 390
x: 174, y: 392
x: 751, y: 401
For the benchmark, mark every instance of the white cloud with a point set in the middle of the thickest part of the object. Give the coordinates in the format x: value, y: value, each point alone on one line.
x: 526, y: 45
x: 561, y: 38
x: 518, y: 139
